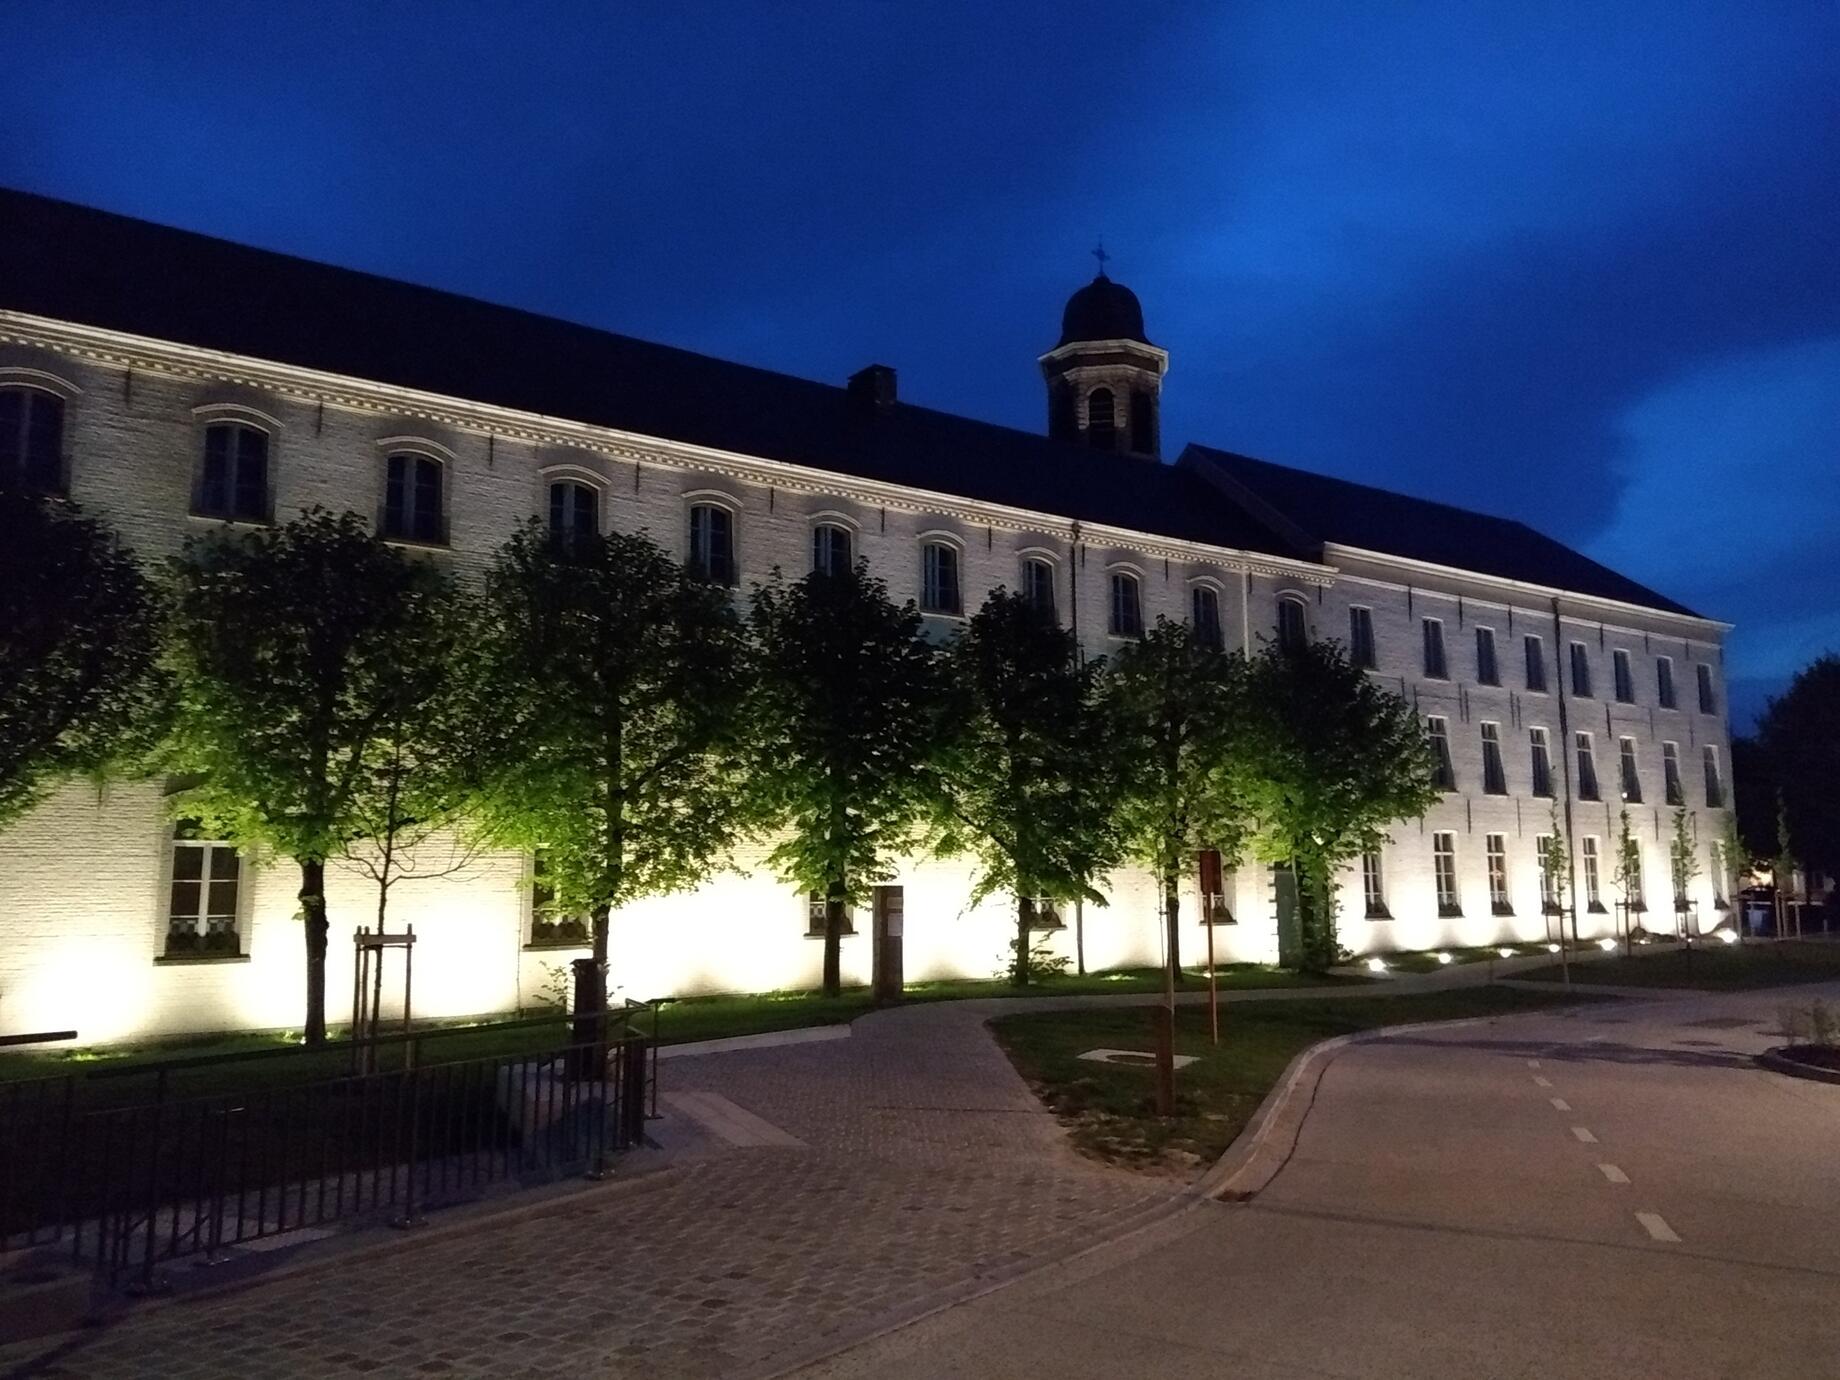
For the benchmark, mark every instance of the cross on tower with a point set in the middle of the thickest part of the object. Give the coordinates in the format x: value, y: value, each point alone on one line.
x: 1100, y: 254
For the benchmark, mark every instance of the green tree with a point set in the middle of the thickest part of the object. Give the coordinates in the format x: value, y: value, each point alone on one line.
x: 1800, y: 735
x: 296, y: 648
x: 1556, y: 860
x: 1024, y: 782
x: 845, y: 722
x: 78, y: 644
x: 1176, y: 710
x: 618, y: 683
x: 1335, y: 759
x: 1683, y: 864
x: 1626, y: 876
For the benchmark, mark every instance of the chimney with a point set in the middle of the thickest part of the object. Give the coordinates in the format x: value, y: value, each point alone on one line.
x: 874, y: 384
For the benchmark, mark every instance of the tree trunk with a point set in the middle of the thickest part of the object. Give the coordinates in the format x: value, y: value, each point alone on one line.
x: 314, y: 927
x: 1315, y: 924
x: 1020, y: 976
x: 1172, y: 918
x: 833, y: 938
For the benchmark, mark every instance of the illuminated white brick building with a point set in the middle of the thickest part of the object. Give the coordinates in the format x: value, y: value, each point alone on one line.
x: 170, y: 383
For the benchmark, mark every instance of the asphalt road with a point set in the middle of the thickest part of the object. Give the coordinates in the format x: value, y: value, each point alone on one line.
x: 1612, y: 1192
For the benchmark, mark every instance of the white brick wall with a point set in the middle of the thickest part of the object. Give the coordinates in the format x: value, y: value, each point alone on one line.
x: 80, y: 879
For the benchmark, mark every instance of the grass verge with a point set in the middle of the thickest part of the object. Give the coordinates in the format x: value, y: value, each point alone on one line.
x: 1711, y: 967
x: 1108, y: 1110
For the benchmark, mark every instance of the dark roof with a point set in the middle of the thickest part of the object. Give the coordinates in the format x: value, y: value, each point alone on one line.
x: 1349, y: 514
x: 75, y: 264
x: 1103, y: 310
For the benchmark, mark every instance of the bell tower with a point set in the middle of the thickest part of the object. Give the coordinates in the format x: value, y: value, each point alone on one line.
x: 1105, y: 378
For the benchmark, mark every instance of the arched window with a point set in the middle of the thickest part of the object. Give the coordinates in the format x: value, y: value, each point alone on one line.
x: 830, y: 548
x: 1204, y: 616
x: 1127, y: 605
x: 574, y: 514
x: 1293, y: 631
x: 712, y: 543
x: 233, y: 482
x: 1101, y: 419
x: 1038, y: 584
x: 1143, y: 422
x: 412, y: 498
x: 31, y: 439
x: 939, y: 590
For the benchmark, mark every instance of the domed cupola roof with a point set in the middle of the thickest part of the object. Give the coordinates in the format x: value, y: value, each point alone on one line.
x: 1103, y: 310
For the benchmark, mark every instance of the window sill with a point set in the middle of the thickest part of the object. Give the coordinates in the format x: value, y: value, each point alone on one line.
x: 1596, y: 908
x: 1048, y: 929
x: 196, y: 960
x: 555, y: 945
x: 1502, y: 912
x: 1220, y: 920
x: 223, y: 520
x: 819, y: 934
x: 1379, y: 915
x: 956, y: 614
x: 1450, y: 912
x: 419, y: 543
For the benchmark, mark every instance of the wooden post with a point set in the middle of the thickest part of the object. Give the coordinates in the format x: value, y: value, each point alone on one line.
x: 1213, y: 982
x: 1165, y: 1060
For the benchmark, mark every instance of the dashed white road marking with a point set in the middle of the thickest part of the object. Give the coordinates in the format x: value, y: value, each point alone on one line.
x: 1656, y: 1226
x: 1584, y: 1134
x: 1560, y: 1104
x: 1540, y: 1082
x: 1613, y: 1174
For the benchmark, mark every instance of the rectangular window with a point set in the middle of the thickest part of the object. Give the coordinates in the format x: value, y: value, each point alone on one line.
x: 1499, y: 902
x: 1494, y: 775
x: 31, y: 439
x: 1127, y: 606
x: 830, y: 549
x: 1536, y: 664
x: 814, y: 917
x: 1038, y: 585
x: 1204, y: 617
x: 1444, y: 868
x: 574, y: 515
x: 1587, y: 768
x: 1581, y: 671
x: 1042, y: 913
x: 1361, y: 649
x: 1670, y: 774
x: 552, y: 927
x: 1435, y: 665
x: 1715, y: 783
x: 1293, y: 630
x: 1549, y: 884
x: 1715, y: 871
x: 234, y: 482
x: 1632, y: 780
x: 1443, y: 770
x: 1212, y: 880
x: 1708, y: 702
x: 412, y: 498
x: 1664, y: 682
x: 1541, y: 753
x: 1487, y: 671
x: 1593, y: 877
x: 201, y: 912
x: 1624, y: 676
x: 1373, y: 886
x: 712, y: 543
x: 939, y: 592
x: 1629, y: 875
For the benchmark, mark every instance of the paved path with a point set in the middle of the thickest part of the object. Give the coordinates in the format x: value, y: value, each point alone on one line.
x: 1615, y: 1191
x: 895, y: 1168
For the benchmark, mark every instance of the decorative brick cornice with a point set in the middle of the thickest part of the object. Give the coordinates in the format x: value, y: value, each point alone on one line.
x: 115, y: 349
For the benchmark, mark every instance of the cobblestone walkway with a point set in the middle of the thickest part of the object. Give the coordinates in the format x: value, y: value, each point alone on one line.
x: 927, y: 1165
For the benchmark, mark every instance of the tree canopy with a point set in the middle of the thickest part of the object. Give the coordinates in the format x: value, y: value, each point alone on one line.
x: 78, y: 647
x: 618, y: 681
x: 1334, y: 761
x: 1799, y: 733
x: 295, y: 649
x: 1024, y: 784
x: 845, y: 719
x: 1176, y: 710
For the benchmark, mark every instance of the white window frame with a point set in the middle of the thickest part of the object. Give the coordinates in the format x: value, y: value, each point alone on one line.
x: 1430, y: 634
x: 593, y: 482
x: 1211, y: 587
x: 1590, y: 865
x: 172, y: 844
x: 1444, y: 870
x: 1355, y: 650
x: 1539, y: 754
x: 419, y: 448
x: 1027, y: 560
x: 207, y: 416
x: 1495, y: 856
x: 67, y: 393
x: 713, y: 498
x: 1116, y: 577
x: 1485, y: 635
x: 1492, y: 760
x: 955, y: 544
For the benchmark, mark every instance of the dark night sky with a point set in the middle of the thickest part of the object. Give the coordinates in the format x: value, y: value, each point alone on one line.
x: 1581, y: 267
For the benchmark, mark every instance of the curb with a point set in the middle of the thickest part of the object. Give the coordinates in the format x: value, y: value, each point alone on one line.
x: 767, y: 1039
x: 1777, y: 1060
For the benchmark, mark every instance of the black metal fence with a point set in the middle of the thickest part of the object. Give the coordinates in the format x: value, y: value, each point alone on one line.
x: 131, y: 1182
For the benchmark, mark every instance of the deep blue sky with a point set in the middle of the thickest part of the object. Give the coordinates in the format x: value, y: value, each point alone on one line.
x: 1578, y: 263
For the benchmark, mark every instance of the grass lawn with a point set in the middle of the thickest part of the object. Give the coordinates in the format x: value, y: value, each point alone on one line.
x: 1427, y: 960
x: 1714, y: 967
x: 1108, y: 1107
x: 693, y: 1018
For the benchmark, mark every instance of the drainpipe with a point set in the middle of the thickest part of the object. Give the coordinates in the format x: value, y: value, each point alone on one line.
x: 1560, y: 670
x: 1073, y: 613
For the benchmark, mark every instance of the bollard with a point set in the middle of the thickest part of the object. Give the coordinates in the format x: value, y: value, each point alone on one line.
x: 1163, y: 1020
